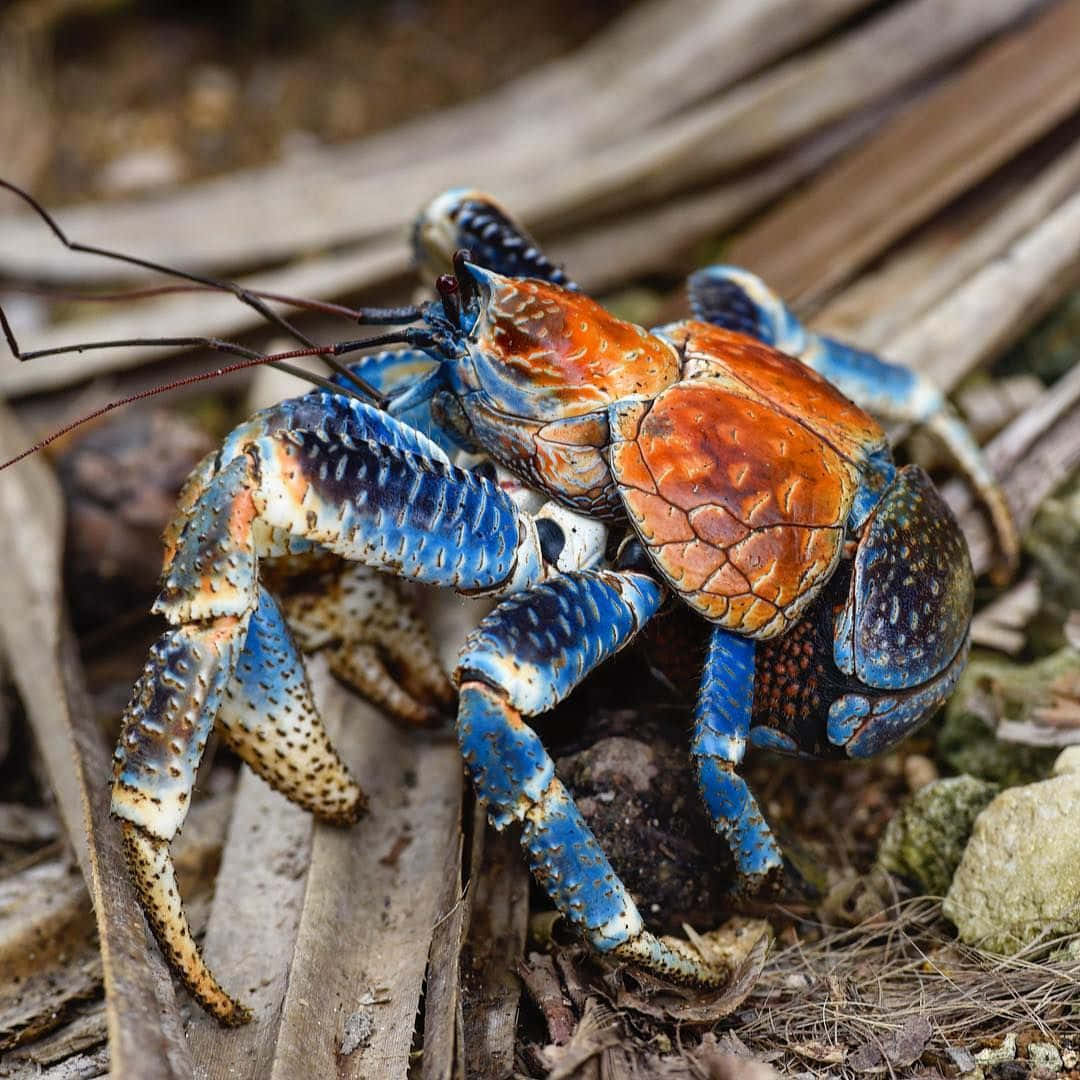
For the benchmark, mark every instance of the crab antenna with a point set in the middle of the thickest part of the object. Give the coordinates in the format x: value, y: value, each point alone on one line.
x: 321, y: 307
x: 217, y: 344
x: 245, y: 296
x: 202, y: 376
x: 251, y: 359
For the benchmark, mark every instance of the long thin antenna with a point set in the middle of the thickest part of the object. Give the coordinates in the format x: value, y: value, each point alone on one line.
x: 362, y: 316
x: 217, y: 344
x: 251, y: 359
x: 203, y: 376
x: 245, y: 296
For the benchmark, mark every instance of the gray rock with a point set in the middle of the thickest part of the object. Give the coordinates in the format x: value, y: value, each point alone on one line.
x: 927, y: 835
x: 995, y: 1055
x: 1044, y: 1055
x: 1019, y: 877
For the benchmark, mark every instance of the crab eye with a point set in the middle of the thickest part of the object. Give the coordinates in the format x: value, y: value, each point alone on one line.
x: 446, y: 285
x: 552, y: 539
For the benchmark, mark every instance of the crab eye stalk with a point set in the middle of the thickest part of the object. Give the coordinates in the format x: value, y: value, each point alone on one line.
x: 446, y: 285
x: 466, y: 282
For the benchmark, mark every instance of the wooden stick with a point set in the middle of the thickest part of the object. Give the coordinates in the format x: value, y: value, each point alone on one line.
x: 251, y: 934
x: 1032, y: 456
x: 882, y: 304
x: 648, y: 241
x: 371, y: 901
x: 498, y: 921
x: 1009, y: 95
x: 145, y: 1036
x: 269, y: 215
x: 443, y: 1040
x: 995, y: 305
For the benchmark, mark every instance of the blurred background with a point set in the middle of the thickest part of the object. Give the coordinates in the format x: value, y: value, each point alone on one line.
x: 905, y: 173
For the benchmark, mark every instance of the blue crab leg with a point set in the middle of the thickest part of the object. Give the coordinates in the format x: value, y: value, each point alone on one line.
x: 526, y: 656
x: 268, y: 717
x: 365, y: 486
x: 722, y: 728
x: 265, y: 712
x: 165, y: 730
x: 360, y: 615
x: 323, y: 470
x: 738, y: 300
x: 410, y: 379
x: 466, y: 218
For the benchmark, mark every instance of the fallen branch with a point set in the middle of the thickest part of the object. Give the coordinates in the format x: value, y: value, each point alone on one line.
x: 144, y: 1028
x: 1031, y: 457
x: 371, y: 189
x: 1023, y: 85
x: 883, y: 303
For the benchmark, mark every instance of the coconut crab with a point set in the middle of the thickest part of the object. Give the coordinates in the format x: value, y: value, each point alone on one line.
x: 739, y: 481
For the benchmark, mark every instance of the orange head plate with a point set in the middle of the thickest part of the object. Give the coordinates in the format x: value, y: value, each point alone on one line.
x: 545, y: 353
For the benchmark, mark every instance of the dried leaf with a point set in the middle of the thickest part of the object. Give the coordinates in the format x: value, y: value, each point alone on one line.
x: 896, y: 1050
x: 597, y: 1030
x: 825, y: 1053
x: 713, y: 1061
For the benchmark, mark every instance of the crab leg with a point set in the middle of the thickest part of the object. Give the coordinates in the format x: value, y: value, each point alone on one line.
x: 268, y: 717
x: 320, y: 471
x: 721, y: 730
x: 357, y: 613
x: 524, y: 658
x: 229, y: 658
x: 365, y: 621
x: 738, y: 300
x: 469, y: 219
x: 410, y: 379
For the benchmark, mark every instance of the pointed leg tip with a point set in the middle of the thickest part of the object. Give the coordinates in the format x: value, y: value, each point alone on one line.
x: 678, y: 961
x: 154, y: 876
x: 353, y: 813
x: 233, y: 1015
x: 343, y: 813
x: 225, y: 1009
